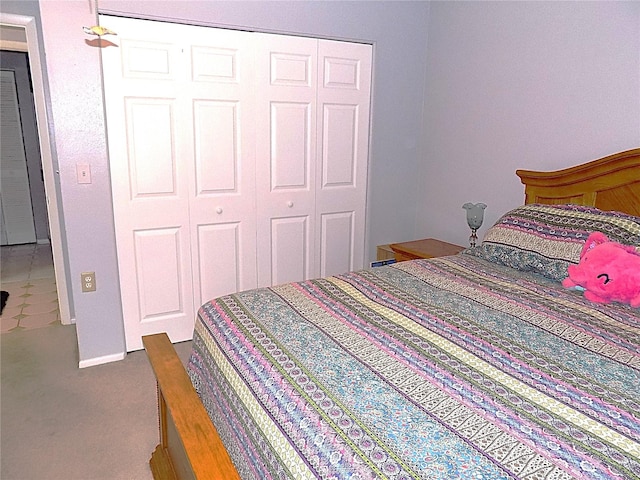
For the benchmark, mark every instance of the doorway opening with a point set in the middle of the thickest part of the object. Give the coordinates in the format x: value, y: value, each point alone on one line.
x: 19, y: 33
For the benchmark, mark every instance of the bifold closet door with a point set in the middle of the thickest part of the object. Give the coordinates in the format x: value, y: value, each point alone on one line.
x: 15, y: 198
x: 313, y: 101
x: 343, y: 113
x: 286, y: 106
x: 237, y: 160
x: 182, y: 168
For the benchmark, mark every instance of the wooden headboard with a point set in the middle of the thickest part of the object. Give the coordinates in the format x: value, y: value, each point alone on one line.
x: 609, y: 183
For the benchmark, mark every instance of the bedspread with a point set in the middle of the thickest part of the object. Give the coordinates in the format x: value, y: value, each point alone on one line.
x: 443, y: 368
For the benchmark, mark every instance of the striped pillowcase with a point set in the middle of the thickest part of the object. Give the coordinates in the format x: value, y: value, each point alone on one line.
x: 546, y: 239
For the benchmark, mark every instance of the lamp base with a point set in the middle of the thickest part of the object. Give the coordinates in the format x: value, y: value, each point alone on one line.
x: 473, y: 238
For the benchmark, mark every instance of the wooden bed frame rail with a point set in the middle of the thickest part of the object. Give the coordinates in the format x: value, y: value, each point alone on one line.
x: 189, y: 443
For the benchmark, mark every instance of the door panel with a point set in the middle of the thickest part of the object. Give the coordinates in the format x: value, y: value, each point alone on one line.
x: 286, y: 77
x: 16, y: 209
x: 344, y: 88
x: 214, y: 64
x: 221, y: 129
x: 296, y: 67
x: 182, y: 170
x: 151, y: 139
x: 339, y: 161
x: 216, y: 144
x: 290, y: 155
x: 289, y: 240
x: 220, y: 259
x: 160, y: 265
x: 337, y: 237
x: 155, y: 60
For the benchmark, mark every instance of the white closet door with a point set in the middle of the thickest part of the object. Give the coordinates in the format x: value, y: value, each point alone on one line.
x: 286, y: 91
x: 344, y: 90
x: 222, y: 126
x: 182, y: 172
x: 312, y: 159
x: 233, y: 164
x: 15, y: 196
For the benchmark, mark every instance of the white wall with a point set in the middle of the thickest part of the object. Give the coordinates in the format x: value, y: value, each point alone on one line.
x: 532, y: 85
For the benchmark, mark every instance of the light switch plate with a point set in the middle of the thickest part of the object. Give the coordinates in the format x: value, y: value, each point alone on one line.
x: 83, y: 171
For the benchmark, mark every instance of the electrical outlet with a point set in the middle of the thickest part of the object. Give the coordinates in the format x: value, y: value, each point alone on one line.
x: 88, y: 281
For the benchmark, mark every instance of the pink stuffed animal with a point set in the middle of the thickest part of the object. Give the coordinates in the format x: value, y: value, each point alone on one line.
x: 608, y: 271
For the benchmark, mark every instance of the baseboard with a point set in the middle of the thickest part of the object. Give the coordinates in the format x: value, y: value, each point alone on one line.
x: 43, y: 241
x: 92, y: 362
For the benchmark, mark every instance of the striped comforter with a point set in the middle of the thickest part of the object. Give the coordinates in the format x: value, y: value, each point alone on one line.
x: 444, y: 368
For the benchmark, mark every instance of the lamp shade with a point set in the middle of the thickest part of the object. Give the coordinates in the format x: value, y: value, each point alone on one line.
x: 475, y: 214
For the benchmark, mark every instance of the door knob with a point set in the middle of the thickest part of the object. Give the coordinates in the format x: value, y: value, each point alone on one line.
x: 219, y: 210
x: 289, y: 204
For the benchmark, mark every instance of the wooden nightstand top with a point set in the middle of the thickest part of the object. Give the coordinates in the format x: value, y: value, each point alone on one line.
x: 425, y: 248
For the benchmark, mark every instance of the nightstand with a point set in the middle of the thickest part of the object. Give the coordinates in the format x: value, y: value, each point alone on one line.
x: 425, y: 248
x: 384, y: 252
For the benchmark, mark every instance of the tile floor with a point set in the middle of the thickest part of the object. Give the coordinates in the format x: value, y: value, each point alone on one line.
x: 26, y: 272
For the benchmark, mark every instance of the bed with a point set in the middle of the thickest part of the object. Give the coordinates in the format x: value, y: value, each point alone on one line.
x: 478, y: 365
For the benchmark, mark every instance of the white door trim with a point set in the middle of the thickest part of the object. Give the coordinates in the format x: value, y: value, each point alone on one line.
x: 55, y: 224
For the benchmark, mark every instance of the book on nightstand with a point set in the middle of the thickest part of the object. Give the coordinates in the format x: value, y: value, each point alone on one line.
x: 382, y: 263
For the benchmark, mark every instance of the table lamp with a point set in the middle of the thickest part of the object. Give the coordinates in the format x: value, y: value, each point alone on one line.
x: 475, y: 215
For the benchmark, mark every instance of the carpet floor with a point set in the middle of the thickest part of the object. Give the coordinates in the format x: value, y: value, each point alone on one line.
x: 61, y: 422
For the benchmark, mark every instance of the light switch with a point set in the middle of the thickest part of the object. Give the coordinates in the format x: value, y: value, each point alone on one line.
x: 83, y: 170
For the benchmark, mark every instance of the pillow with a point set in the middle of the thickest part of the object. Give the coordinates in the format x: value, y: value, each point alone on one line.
x: 546, y: 239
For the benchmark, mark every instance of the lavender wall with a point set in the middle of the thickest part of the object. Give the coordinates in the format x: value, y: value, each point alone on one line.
x: 398, y: 32
x: 533, y: 85
x: 498, y: 86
